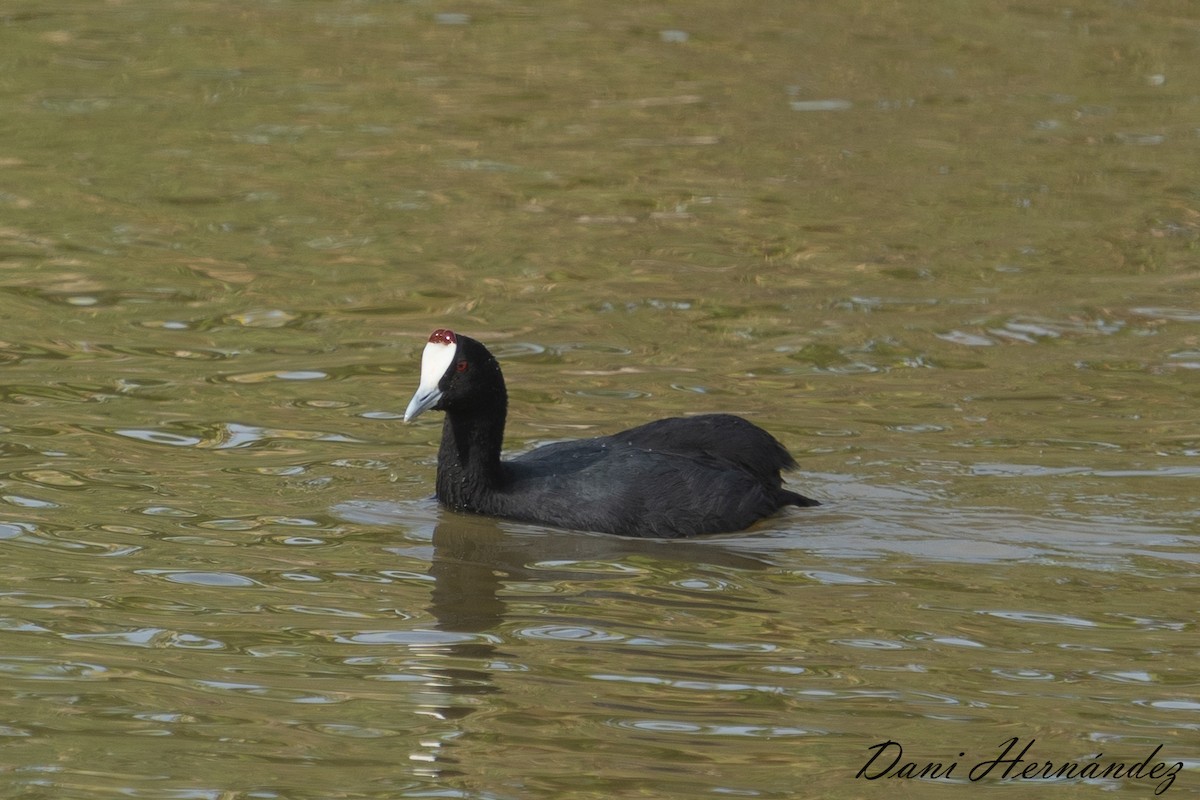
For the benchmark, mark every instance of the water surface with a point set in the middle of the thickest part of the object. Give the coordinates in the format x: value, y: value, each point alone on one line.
x: 945, y: 252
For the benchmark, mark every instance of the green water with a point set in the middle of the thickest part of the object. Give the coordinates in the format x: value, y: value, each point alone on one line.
x: 947, y: 252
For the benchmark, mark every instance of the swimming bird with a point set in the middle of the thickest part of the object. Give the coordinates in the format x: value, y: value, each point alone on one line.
x: 711, y: 473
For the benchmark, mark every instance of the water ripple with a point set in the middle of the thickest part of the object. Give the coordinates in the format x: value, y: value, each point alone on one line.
x: 1041, y: 618
x: 225, y: 580
x: 47, y: 669
x: 224, y: 435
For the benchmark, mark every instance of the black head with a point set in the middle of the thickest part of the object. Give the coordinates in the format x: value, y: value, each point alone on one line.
x: 458, y: 374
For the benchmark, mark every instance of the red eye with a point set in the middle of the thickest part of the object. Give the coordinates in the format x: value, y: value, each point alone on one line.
x: 460, y: 366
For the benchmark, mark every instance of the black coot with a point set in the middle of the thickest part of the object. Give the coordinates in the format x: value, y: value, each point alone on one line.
x: 674, y: 477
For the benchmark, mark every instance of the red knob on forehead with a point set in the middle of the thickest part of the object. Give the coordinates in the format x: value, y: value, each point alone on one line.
x: 442, y: 336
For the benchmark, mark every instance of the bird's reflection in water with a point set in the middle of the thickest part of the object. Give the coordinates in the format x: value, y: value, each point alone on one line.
x: 475, y: 563
x: 474, y: 558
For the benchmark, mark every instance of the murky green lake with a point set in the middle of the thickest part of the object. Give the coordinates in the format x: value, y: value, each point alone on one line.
x: 948, y: 252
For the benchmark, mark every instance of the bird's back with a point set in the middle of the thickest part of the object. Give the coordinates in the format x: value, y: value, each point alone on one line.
x: 672, y: 477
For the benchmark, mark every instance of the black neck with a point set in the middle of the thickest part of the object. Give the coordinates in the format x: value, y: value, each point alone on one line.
x: 469, y: 458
